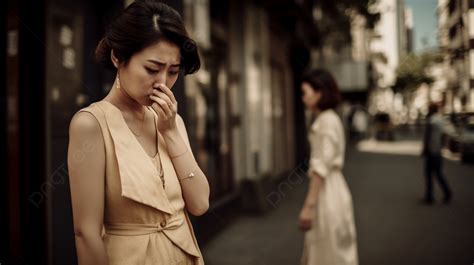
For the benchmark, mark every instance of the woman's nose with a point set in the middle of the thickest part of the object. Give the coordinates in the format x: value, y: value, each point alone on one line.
x: 160, y: 77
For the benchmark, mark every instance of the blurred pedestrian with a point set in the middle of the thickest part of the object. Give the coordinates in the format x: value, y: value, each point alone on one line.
x: 360, y: 123
x: 432, y: 145
x: 132, y: 173
x: 327, y: 216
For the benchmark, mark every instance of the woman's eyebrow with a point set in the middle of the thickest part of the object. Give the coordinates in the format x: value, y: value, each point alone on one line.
x: 161, y: 63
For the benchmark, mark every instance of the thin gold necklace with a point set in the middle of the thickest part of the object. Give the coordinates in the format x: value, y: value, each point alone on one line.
x: 161, y: 172
x: 141, y: 129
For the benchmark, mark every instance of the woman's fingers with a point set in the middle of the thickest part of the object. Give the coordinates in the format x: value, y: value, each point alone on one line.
x: 163, y: 96
x: 168, y: 92
x: 162, y: 105
x: 305, y: 219
x: 173, y: 105
x: 305, y: 225
x: 156, y: 107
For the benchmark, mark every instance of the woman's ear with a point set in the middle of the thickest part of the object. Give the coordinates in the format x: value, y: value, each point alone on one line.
x: 114, y: 59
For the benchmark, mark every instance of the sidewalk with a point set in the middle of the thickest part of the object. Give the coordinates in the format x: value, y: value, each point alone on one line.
x: 271, y: 238
x: 393, y: 228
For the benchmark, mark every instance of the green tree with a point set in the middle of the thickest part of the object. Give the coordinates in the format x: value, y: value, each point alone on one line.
x: 333, y: 26
x: 413, y: 71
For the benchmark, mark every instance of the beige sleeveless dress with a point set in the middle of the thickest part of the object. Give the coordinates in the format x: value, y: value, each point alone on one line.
x: 144, y: 222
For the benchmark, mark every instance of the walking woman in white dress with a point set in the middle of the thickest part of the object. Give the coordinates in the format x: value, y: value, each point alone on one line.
x: 327, y: 216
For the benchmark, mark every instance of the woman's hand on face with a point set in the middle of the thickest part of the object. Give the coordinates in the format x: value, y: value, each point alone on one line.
x: 306, y: 218
x: 166, y: 106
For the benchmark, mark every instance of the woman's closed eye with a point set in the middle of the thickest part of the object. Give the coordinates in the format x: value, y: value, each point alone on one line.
x: 155, y: 71
x: 174, y: 72
x: 152, y: 71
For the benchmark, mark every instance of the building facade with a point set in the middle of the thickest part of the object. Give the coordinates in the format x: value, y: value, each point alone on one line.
x: 456, y: 38
x: 391, y: 42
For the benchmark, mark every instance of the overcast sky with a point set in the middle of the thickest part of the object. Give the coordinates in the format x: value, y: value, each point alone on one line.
x: 425, y: 23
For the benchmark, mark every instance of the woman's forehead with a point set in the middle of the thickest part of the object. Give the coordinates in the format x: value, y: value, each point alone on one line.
x: 164, y: 52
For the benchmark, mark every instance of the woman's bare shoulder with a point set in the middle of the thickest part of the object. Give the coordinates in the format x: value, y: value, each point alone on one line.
x: 85, y: 137
x: 84, y: 123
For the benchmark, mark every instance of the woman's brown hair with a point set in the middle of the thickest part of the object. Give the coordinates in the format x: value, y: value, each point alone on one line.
x: 322, y: 81
x: 143, y: 23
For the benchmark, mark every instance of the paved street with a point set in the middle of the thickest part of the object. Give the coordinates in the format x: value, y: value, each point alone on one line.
x: 393, y: 228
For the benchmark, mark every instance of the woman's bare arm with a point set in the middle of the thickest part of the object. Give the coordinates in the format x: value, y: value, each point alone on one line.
x: 196, y: 189
x: 86, y: 163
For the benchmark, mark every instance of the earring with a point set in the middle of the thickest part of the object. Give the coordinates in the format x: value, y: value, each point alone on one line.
x: 118, y: 81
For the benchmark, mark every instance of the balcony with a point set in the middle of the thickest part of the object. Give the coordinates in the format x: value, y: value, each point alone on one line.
x: 455, y: 17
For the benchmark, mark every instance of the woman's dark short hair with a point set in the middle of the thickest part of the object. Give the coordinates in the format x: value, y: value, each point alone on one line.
x: 322, y: 81
x: 141, y: 24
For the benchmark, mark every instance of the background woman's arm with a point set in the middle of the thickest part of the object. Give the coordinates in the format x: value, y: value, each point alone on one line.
x: 315, y: 183
x: 305, y: 221
x: 86, y: 163
x: 323, y: 150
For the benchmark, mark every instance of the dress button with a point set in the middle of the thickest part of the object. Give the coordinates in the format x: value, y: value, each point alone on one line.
x: 163, y: 223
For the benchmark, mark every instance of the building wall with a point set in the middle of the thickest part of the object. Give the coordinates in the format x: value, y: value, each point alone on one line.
x: 255, y: 84
x: 391, y: 42
x: 350, y: 63
x: 469, y: 91
x: 387, y: 40
x: 456, y: 34
x: 360, y: 38
x: 409, y: 45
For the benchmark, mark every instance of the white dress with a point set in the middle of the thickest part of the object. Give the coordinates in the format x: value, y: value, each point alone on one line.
x: 332, y: 237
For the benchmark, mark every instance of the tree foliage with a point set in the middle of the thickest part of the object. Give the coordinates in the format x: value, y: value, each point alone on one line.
x: 413, y: 70
x: 334, y: 26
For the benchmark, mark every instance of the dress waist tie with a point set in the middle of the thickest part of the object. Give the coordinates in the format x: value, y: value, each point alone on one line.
x: 131, y: 229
